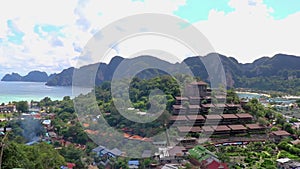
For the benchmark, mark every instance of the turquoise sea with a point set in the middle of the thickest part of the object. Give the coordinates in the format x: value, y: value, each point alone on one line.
x: 17, y: 91
x: 249, y: 95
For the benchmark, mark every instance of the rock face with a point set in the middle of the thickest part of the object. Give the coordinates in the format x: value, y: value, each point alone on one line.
x: 12, y: 77
x: 34, y: 76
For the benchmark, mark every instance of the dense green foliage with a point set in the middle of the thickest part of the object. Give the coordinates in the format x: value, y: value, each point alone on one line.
x: 279, y: 73
x: 139, y: 96
x: 39, y: 156
x: 22, y: 106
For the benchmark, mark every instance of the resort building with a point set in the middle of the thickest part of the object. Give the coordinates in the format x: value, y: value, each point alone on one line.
x: 9, y: 108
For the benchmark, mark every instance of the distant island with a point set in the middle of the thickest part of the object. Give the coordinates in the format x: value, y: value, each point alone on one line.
x: 278, y: 73
x: 33, y: 76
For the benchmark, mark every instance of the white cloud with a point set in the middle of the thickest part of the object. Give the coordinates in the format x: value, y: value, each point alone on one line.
x: 79, y: 21
x: 247, y: 33
x: 250, y: 32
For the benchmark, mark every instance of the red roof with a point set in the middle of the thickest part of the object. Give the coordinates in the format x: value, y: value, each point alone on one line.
x: 71, y: 165
x: 216, y: 165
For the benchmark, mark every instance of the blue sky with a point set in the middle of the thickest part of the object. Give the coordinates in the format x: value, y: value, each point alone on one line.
x: 196, y: 10
x: 52, y: 34
x: 283, y: 9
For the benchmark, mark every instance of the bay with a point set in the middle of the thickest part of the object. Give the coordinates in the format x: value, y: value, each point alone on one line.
x: 27, y: 91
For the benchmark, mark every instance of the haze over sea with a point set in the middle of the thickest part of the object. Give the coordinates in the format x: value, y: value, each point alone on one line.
x: 27, y: 91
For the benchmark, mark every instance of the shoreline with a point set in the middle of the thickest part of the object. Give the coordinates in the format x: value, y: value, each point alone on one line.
x: 254, y: 93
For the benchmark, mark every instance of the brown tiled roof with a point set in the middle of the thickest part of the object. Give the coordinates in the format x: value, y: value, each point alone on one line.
x: 207, y: 105
x: 229, y: 116
x: 184, y: 129
x: 254, y: 126
x: 178, y: 107
x: 221, y: 128
x: 213, y: 117
x: 199, y: 83
x: 136, y: 137
x: 195, y: 117
x: 281, y: 133
x: 295, y: 142
x: 126, y: 135
x: 207, y: 129
x: 194, y: 98
x: 92, y: 132
x: 86, y: 125
x: 181, y: 98
x: 244, y: 115
x: 220, y: 96
x: 220, y: 105
x: 178, y: 118
x: 195, y: 129
x: 233, y: 105
x: 177, y: 151
x: 194, y: 107
x: 237, y: 127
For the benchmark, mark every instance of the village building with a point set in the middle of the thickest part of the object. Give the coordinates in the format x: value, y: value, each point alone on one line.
x: 256, y: 128
x: 9, y: 108
x: 179, y: 109
x: 244, y: 118
x: 178, y: 120
x: 194, y: 109
x: 181, y: 100
x: 286, y: 163
x: 221, y: 130
x: 229, y: 119
x: 237, y: 129
x: 279, y: 135
x: 197, y: 120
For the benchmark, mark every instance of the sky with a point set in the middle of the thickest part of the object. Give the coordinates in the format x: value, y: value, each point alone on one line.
x: 51, y: 35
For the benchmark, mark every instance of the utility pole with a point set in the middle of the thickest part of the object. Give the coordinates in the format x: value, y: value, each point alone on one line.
x: 2, y: 148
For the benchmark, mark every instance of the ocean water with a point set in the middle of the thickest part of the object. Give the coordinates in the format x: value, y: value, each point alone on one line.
x: 249, y: 95
x: 27, y: 91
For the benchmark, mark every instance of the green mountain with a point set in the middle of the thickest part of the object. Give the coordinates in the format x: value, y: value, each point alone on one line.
x: 280, y: 72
